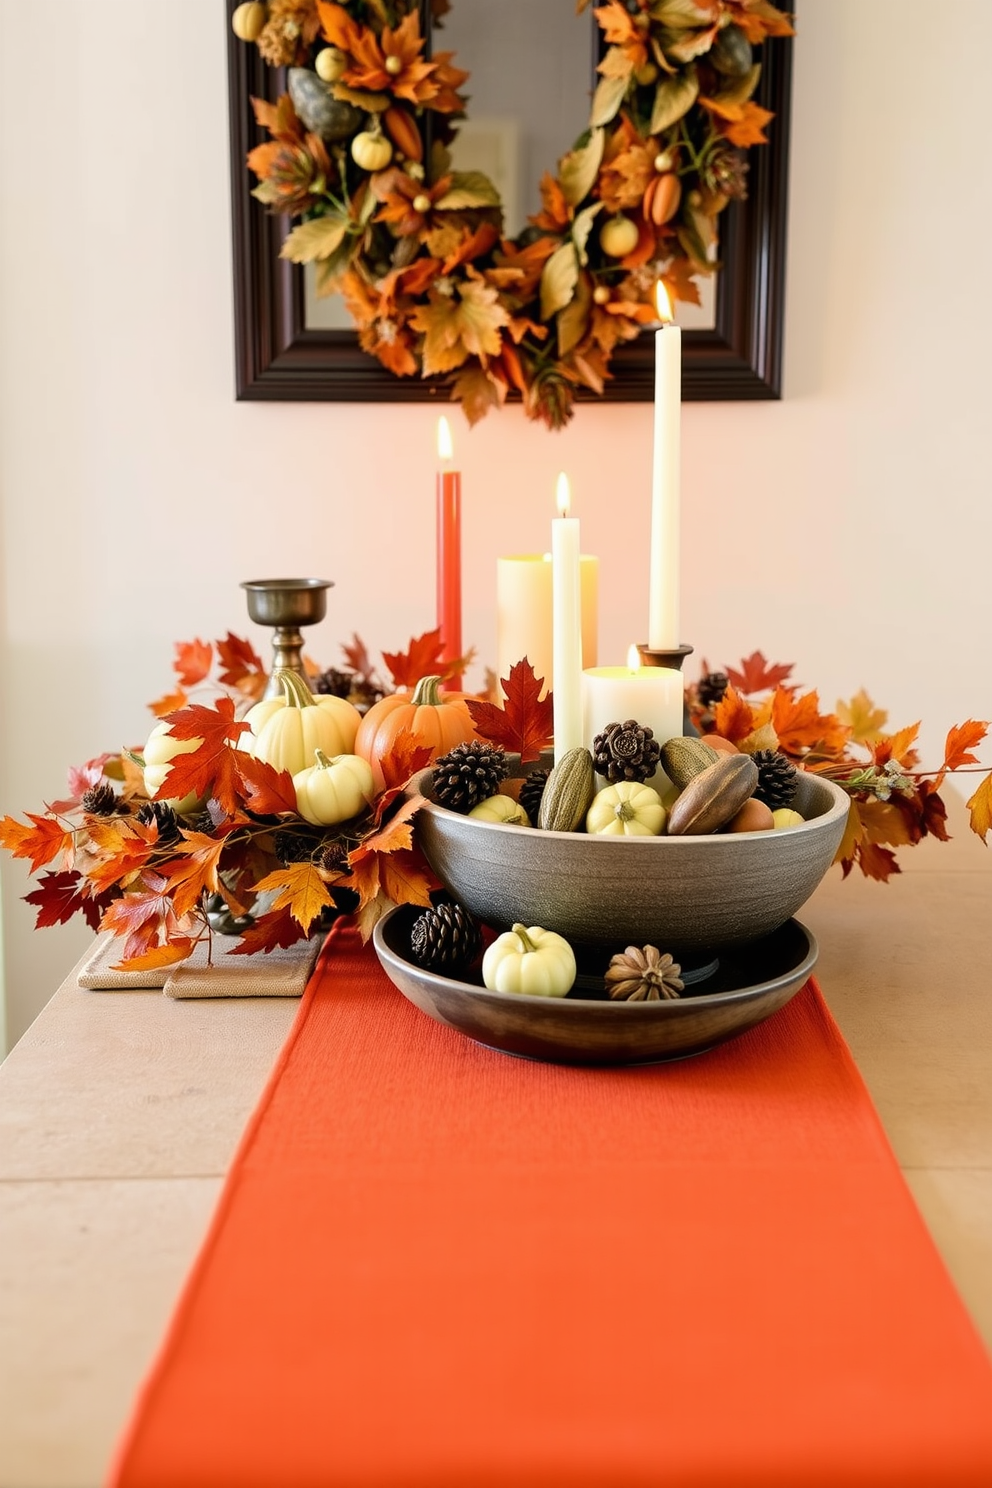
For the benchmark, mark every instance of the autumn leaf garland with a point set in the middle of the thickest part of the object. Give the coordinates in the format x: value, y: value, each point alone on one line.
x: 417, y: 249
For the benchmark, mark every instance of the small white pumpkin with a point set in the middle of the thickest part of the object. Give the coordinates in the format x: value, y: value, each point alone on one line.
x: 286, y: 730
x: 501, y: 809
x: 627, y: 809
x: 529, y: 961
x: 371, y: 150
x: 333, y: 790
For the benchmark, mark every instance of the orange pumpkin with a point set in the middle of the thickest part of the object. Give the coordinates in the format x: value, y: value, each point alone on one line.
x: 439, y: 722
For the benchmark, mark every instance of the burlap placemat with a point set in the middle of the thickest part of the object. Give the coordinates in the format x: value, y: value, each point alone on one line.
x: 280, y: 973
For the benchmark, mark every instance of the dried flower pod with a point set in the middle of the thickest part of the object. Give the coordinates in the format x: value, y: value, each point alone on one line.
x: 626, y: 751
x: 643, y: 974
x: 713, y: 797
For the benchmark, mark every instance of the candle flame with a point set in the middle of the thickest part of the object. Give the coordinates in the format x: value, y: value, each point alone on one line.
x: 663, y: 302
x: 633, y: 659
x: 445, y: 449
x: 564, y: 494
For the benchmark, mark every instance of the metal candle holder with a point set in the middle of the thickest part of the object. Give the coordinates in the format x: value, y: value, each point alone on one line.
x: 286, y: 604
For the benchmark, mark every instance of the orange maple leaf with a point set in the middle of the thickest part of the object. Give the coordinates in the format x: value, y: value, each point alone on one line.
x: 193, y: 661
x: 267, y: 791
x: 897, y: 746
x: 405, y: 878
x: 364, y: 879
x: 748, y: 130
x: 215, y: 768
x: 169, y: 703
x: 177, y: 949
x: 877, y: 862
x: 960, y: 741
x: 801, y: 726
x: 733, y: 717
x: 42, y: 842
x: 193, y: 871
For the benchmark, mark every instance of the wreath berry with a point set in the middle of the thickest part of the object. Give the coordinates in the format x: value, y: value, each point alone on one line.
x: 361, y: 153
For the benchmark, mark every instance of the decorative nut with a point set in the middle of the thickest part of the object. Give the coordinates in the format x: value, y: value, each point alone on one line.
x: 714, y: 796
x: 684, y: 757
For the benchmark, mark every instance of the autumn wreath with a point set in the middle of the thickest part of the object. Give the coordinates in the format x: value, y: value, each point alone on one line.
x: 361, y: 154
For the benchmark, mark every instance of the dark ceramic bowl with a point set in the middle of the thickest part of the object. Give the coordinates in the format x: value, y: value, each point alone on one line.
x: 678, y: 893
x: 749, y: 984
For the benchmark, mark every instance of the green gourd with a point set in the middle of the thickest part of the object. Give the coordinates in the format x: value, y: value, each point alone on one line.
x: 569, y: 790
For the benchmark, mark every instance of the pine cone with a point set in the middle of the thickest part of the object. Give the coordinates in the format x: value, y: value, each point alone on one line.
x: 445, y: 938
x: 626, y: 751
x: 293, y: 845
x: 334, y: 683
x: 468, y: 774
x: 643, y: 974
x: 333, y: 859
x: 711, y: 688
x: 164, y: 817
x: 102, y: 800
x: 531, y: 792
x: 777, y: 778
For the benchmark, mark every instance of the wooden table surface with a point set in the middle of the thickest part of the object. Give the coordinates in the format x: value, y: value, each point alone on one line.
x: 120, y: 1111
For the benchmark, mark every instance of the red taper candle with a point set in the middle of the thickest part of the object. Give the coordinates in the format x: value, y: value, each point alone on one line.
x: 449, y: 552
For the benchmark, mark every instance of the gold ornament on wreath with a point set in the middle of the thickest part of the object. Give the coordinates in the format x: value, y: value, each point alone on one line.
x: 361, y: 153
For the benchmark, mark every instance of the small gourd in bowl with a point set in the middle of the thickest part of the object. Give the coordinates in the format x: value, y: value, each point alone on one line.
x: 627, y: 809
x: 333, y: 790
x: 529, y: 961
x: 285, y: 731
x: 502, y: 809
x: 429, y: 718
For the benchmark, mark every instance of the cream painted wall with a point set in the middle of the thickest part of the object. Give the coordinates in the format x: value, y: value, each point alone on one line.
x: 846, y: 528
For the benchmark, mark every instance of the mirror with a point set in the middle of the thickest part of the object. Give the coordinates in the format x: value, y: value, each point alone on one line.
x: 529, y: 89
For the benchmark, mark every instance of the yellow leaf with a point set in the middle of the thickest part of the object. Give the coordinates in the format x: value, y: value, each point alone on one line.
x: 862, y: 717
x: 673, y: 99
x: 764, y: 737
x: 582, y: 227
x: 460, y: 325
x: 854, y: 834
x: 468, y: 189
x: 316, y: 239
x: 301, y: 890
x: 884, y: 823
x: 980, y: 806
x: 573, y: 321
x: 558, y: 279
x: 606, y: 100
x: 578, y: 169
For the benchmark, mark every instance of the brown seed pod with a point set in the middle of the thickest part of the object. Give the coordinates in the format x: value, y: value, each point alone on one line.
x: 684, y: 757
x: 713, y: 797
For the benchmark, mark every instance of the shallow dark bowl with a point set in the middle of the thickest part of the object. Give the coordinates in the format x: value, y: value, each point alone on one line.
x: 679, y: 893
x: 749, y: 985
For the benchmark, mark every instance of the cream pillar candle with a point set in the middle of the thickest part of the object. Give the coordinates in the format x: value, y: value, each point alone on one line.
x: 663, y: 600
x: 650, y: 695
x: 566, y: 630
x: 523, y: 612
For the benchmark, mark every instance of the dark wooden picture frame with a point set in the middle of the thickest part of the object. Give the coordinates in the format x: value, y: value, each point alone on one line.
x: 279, y: 359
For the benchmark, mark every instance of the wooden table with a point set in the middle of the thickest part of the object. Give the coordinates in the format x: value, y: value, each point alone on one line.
x: 119, y: 1113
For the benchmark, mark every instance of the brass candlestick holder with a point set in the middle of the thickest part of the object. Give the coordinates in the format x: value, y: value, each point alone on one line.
x: 672, y: 659
x: 286, y: 604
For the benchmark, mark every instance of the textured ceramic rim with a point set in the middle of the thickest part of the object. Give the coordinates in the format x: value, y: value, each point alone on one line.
x: 664, y: 1006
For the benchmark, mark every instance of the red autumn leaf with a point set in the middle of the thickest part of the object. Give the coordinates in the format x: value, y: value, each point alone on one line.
x: 800, y: 725
x: 932, y: 812
x: 145, y: 916
x: 733, y: 718
x: 267, y: 791
x: 358, y: 659
x: 215, y: 768
x: 396, y: 833
x: 525, y: 724
x: 119, y: 849
x: 242, y: 667
x: 58, y: 898
x: 169, y: 703
x: 82, y: 778
x: 41, y: 843
x: 192, y: 661
x: 877, y: 862
x: 404, y: 759
x: 960, y: 741
x: 300, y: 889
x: 422, y: 658
x: 757, y: 675
x: 270, y: 932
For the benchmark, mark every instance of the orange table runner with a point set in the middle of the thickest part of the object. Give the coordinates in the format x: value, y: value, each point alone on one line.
x: 436, y: 1266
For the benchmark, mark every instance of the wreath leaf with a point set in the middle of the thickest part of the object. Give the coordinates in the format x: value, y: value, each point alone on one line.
x: 468, y: 189
x: 673, y: 100
x: 609, y: 95
x: 558, y: 279
x: 577, y: 171
x: 315, y: 240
